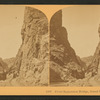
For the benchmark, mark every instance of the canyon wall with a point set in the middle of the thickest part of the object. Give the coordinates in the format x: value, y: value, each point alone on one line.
x: 64, y: 64
x: 31, y: 64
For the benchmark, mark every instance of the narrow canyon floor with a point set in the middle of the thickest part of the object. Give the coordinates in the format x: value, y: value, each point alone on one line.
x: 86, y: 82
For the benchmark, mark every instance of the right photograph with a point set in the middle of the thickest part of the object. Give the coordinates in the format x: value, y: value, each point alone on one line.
x: 75, y: 47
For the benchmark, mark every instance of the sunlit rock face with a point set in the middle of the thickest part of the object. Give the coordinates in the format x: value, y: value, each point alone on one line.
x: 31, y: 63
x: 64, y: 64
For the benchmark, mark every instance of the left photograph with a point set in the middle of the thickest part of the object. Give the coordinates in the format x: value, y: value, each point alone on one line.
x: 24, y: 43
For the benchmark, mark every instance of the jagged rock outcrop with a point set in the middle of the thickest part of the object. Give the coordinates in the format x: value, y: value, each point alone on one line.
x: 31, y: 64
x: 64, y: 64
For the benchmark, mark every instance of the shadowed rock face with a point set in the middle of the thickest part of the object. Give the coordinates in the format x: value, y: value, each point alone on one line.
x: 64, y: 64
x: 31, y: 63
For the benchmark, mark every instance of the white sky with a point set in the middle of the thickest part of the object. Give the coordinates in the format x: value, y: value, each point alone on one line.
x: 11, y: 21
x: 82, y: 24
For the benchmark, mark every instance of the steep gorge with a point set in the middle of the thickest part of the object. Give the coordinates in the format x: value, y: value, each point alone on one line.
x: 35, y: 60
x: 64, y: 64
x: 31, y: 64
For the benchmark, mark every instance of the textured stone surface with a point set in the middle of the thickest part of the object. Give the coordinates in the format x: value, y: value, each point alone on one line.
x: 31, y: 63
x: 64, y: 64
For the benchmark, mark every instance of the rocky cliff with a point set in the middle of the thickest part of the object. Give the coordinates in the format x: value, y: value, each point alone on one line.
x: 31, y: 64
x: 64, y: 64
